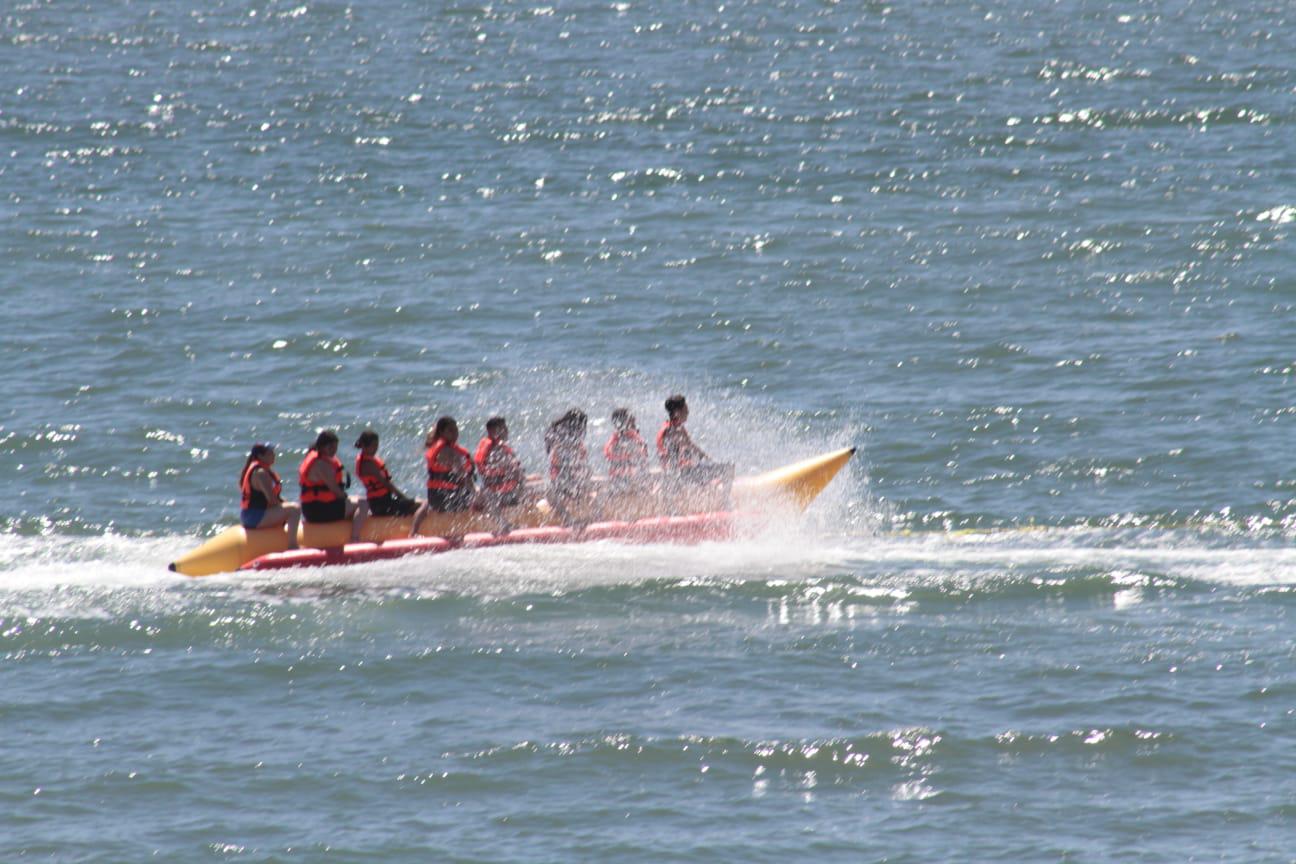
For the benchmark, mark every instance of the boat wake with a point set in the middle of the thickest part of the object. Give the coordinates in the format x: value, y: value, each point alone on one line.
x: 794, y: 552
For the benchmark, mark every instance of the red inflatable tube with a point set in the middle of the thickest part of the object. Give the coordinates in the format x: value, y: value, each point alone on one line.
x: 664, y: 529
x: 521, y: 535
x: 682, y: 529
x: 352, y: 553
x: 605, y: 531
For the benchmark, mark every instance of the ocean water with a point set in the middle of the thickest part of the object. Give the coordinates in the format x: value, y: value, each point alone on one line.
x: 1034, y: 260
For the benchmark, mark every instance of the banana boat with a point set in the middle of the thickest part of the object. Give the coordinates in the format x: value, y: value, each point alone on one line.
x: 627, y: 517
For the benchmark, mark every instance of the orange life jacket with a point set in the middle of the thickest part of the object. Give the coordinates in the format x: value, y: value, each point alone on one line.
x: 442, y: 478
x: 254, y: 498
x: 375, y: 487
x: 625, y: 452
x: 498, y: 465
x: 675, y: 455
x: 311, y: 491
x: 568, y: 460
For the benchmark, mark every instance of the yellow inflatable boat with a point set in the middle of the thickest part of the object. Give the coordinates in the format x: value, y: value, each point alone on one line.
x: 633, y: 518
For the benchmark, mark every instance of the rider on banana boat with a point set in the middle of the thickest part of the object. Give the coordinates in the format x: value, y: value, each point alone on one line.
x: 685, y: 463
x: 260, y: 486
x: 450, y: 483
x: 501, y: 472
x: 383, y: 496
x: 323, y: 495
x: 571, y: 488
x: 626, y: 454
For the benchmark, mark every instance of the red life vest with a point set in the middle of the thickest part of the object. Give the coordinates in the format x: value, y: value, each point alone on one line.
x: 498, y: 465
x: 568, y: 460
x: 626, y: 453
x: 311, y: 491
x: 442, y: 478
x: 254, y: 498
x: 675, y: 448
x: 375, y: 487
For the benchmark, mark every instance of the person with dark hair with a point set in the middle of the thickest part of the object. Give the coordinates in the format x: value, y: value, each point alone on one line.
x: 323, y: 495
x: 261, y: 505
x: 570, y: 484
x: 500, y: 469
x: 626, y: 453
x: 684, y: 462
x: 450, y: 486
x: 383, y: 496
x: 675, y: 448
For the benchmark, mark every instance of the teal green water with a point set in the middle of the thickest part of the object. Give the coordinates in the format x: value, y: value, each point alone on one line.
x: 1034, y: 261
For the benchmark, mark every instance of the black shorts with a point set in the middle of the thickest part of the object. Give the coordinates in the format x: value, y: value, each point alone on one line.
x: 324, y: 511
x: 390, y: 505
x: 502, y: 499
x: 449, y: 500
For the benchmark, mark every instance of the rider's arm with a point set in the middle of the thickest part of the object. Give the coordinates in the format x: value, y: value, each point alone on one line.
x: 261, y: 480
x: 324, y: 477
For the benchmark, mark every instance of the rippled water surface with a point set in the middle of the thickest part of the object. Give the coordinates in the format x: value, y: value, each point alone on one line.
x: 1034, y: 260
